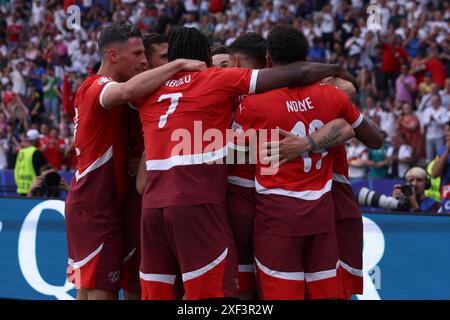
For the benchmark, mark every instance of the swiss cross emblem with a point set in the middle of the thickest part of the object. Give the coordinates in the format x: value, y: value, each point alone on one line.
x: 103, y: 80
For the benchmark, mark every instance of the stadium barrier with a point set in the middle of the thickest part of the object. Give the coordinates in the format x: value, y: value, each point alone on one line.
x: 406, y: 256
x: 384, y: 186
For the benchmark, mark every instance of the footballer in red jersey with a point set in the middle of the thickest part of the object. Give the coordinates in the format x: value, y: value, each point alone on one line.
x: 295, y: 245
x: 96, y: 193
x: 155, y: 46
x: 289, y: 148
x: 349, y: 226
x: 184, y: 221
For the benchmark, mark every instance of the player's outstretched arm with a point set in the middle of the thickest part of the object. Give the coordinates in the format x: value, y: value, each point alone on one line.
x: 299, y: 74
x: 334, y: 133
x: 369, y: 134
x: 146, y: 82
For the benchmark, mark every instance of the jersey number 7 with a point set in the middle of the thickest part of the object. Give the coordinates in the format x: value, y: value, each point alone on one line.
x: 174, y: 99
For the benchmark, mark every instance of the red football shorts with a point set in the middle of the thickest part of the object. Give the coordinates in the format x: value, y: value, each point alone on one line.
x: 241, y: 215
x: 297, y: 268
x: 95, y: 249
x: 349, y: 233
x: 194, y: 242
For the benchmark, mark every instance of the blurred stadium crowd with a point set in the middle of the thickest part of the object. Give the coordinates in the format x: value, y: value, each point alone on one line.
x: 403, y: 68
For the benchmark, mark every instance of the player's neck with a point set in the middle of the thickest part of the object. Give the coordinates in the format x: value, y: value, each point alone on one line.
x: 107, y: 71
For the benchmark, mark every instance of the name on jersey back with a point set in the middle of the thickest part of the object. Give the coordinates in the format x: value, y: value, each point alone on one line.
x: 173, y: 83
x: 299, y: 105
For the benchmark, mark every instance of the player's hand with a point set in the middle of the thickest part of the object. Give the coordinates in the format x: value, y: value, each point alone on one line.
x: 348, y: 77
x: 192, y: 65
x: 281, y: 152
x: 342, y: 84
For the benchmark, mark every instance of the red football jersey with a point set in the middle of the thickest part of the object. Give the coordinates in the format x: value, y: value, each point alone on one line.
x: 101, y: 147
x: 300, y: 111
x: 185, y: 124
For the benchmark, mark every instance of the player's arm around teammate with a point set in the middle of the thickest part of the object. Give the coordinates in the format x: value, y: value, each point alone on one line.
x: 333, y: 134
x: 146, y: 82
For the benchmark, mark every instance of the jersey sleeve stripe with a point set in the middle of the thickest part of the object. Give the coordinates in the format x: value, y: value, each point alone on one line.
x: 184, y: 160
x: 96, y: 164
x: 304, y: 195
x: 358, y: 121
x: 253, y: 80
x: 103, y: 93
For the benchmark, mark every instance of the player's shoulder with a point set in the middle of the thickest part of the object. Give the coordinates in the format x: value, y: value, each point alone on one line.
x: 213, y: 71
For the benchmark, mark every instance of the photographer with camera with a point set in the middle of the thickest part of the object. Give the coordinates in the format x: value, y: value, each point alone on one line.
x: 48, y: 184
x: 409, y: 197
x: 417, y: 181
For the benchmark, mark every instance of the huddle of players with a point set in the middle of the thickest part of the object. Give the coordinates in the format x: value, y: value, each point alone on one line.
x: 302, y: 230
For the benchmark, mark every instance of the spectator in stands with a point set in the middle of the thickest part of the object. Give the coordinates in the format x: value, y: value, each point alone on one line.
x: 405, y: 86
x: 49, y: 184
x: 387, y: 118
x: 357, y: 156
x: 409, y: 127
x: 434, y: 119
x: 355, y: 44
x: 373, y: 109
x: 53, y: 149
x: 425, y: 101
x: 393, y: 56
x: 377, y: 162
x: 18, y: 80
x: 418, y: 179
x: 3, y: 121
x: 317, y: 51
x: 3, y: 151
x: 399, y: 156
x: 52, y: 93
x: 435, y: 66
x: 28, y: 163
x: 13, y: 142
x: 445, y: 94
x: 367, y: 87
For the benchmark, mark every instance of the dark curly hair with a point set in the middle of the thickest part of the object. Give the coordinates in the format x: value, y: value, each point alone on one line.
x: 189, y: 43
x: 252, y: 45
x: 287, y: 45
